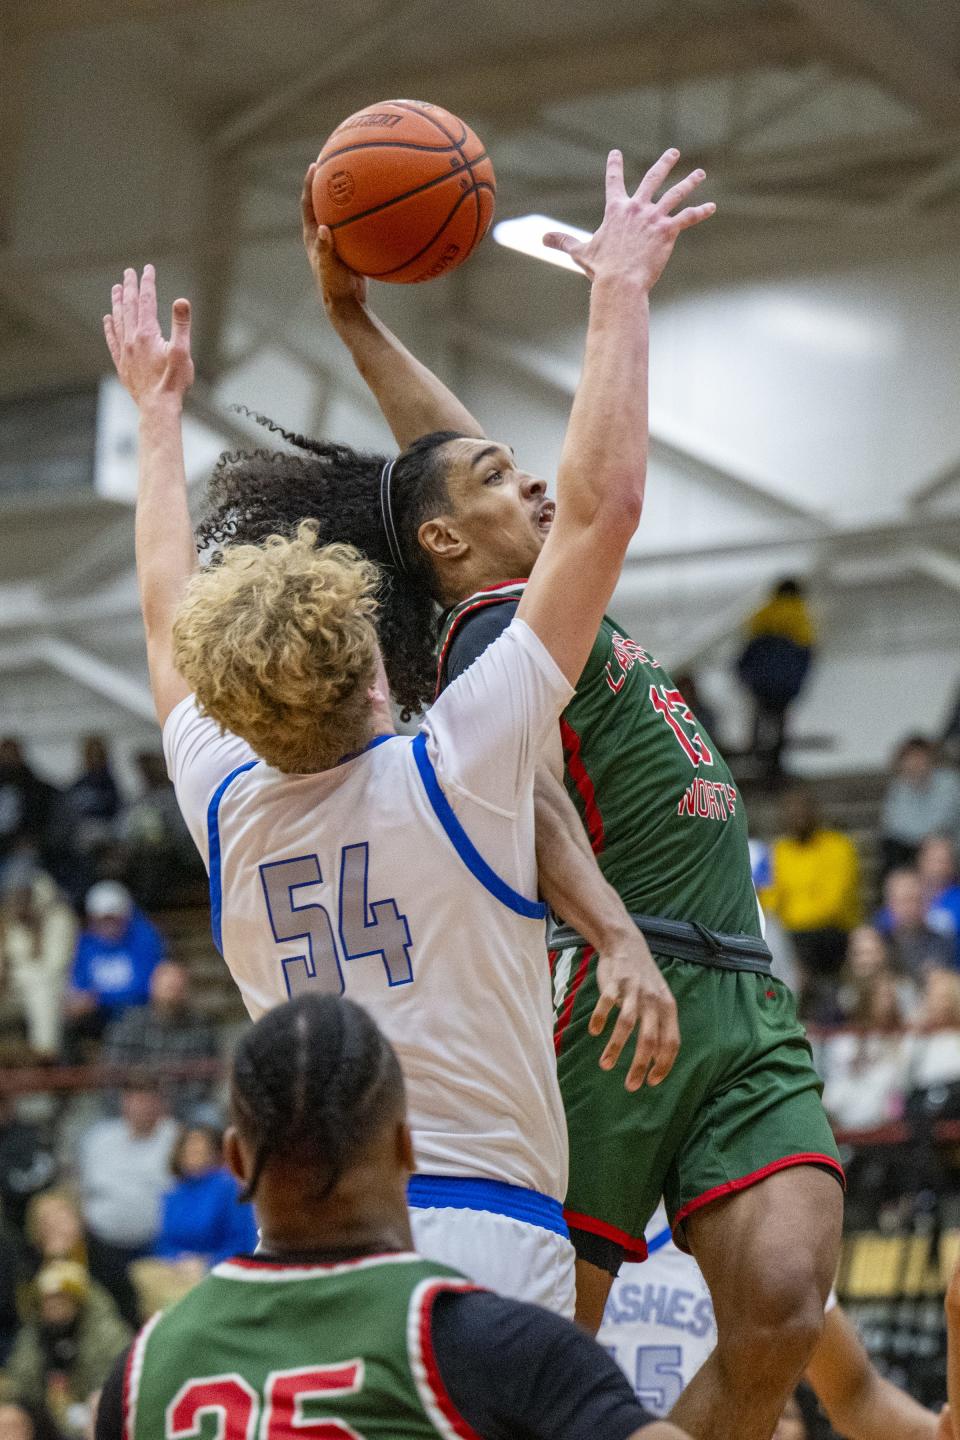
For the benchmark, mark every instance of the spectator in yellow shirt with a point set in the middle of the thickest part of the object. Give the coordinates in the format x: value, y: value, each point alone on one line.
x: 815, y: 893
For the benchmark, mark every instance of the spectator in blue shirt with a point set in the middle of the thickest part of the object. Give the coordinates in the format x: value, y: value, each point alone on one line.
x: 203, y: 1218
x: 938, y: 871
x: 115, y: 958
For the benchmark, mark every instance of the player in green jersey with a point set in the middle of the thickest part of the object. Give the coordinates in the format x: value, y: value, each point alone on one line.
x: 336, y: 1328
x: 735, y: 1135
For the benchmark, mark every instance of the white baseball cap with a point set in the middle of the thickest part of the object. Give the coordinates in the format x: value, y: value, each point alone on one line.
x: 108, y: 897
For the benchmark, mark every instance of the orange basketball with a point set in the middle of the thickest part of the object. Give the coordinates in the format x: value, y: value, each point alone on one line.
x: 406, y: 188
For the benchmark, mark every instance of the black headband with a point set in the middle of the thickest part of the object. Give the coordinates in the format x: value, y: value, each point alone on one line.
x: 386, y: 512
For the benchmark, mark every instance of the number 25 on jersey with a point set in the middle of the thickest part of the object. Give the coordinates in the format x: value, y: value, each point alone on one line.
x: 363, y: 929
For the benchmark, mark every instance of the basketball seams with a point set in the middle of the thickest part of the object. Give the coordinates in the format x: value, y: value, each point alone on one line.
x: 395, y: 199
x: 412, y: 108
x: 465, y: 195
x: 326, y: 155
x: 475, y: 185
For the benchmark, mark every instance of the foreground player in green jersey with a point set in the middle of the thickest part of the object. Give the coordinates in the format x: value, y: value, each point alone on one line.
x: 336, y: 1328
x: 735, y: 1135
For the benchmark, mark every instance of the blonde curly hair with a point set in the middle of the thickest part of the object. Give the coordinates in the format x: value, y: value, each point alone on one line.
x: 277, y: 642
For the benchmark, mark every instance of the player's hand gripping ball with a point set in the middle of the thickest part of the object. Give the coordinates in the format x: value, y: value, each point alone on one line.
x: 407, y: 190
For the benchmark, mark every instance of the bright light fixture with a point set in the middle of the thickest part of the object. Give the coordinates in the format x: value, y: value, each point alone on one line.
x: 525, y: 233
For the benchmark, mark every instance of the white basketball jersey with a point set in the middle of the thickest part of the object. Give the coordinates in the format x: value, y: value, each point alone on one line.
x: 659, y: 1324
x: 404, y: 878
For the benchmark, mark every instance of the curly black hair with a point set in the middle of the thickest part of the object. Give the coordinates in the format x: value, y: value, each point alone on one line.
x: 268, y: 492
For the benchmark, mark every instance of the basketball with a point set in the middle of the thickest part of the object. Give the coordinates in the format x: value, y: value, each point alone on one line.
x: 406, y: 188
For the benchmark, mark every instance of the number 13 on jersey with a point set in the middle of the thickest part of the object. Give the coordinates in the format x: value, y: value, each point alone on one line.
x: 364, y: 929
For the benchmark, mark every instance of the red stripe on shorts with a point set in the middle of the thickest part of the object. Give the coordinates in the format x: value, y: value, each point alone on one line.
x: 634, y: 1247
x: 581, y: 778
x: 754, y: 1178
x: 563, y: 1019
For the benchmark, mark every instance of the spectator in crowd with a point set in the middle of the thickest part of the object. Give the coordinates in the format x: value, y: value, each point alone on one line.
x: 202, y: 1222
x: 54, y: 1228
x: 815, y: 892
x: 868, y: 958
x: 866, y: 1069
x: 167, y: 1030
x: 93, y: 800
x: 21, y: 1421
x: 123, y: 1170
x: 26, y: 1164
x: 12, y: 1270
x: 922, y: 799
x: 914, y: 945
x: 950, y: 735
x: 774, y: 666
x: 117, y: 953
x: 159, y: 852
x: 26, y: 802
x: 37, y: 942
x: 936, y: 1053
x: 67, y: 1344
x: 940, y: 884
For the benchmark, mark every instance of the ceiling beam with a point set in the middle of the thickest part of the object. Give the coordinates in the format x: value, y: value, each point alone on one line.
x: 343, y: 60
x: 937, y: 565
x: 715, y: 471
x: 518, y: 81
x: 868, y: 38
x: 97, y: 675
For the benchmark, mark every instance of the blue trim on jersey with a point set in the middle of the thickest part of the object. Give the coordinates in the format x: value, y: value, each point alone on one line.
x: 658, y: 1241
x: 464, y: 846
x: 370, y: 745
x: 455, y: 1192
x: 213, y: 850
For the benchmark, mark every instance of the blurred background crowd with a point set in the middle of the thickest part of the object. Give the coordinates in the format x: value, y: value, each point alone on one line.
x: 115, y: 1015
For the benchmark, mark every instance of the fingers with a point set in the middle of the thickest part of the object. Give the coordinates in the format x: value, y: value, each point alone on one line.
x: 645, y: 1054
x: 672, y: 197
x: 129, y: 305
x: 614, y: 180
x: 657, y: 174
x: 694, y: 215
x: 601, y: 1011
x: 622, y: 1031
x: 668, y: 1044
x: 116, y: 299
x: 559, y: 240
x: 147, y: 312
x: 306, y: 206
x: 180, y: 325
x: 113, y: 344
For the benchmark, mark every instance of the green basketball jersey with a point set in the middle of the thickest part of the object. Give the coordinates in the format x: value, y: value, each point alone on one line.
x: 260, y: 1350
x: 664, y: 817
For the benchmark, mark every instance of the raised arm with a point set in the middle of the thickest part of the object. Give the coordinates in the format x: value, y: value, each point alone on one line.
x: 414, y: 402
x: 157, y: 373
x: 627, y: 976
x: 603, y: 465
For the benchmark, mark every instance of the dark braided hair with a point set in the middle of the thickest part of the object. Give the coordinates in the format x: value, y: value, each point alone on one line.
x: 313, y: 1081
x: 268, y: 492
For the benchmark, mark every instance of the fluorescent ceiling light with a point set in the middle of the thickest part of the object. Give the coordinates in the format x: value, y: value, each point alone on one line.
x: 525, y: 233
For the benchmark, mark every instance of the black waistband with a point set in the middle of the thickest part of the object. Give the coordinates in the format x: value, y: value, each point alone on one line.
x: 686, y: 940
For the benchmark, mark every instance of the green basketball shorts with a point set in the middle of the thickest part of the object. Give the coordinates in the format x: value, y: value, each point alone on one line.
x: 742, y: 1101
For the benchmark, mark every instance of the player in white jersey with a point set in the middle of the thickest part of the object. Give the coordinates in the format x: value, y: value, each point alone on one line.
x: 345, y: 858
x: 659, y: 1327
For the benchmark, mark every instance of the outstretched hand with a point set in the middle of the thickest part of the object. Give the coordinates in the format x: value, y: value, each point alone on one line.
x: 336, y: 282
x: 150, y: 367
x: 638, y: 233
